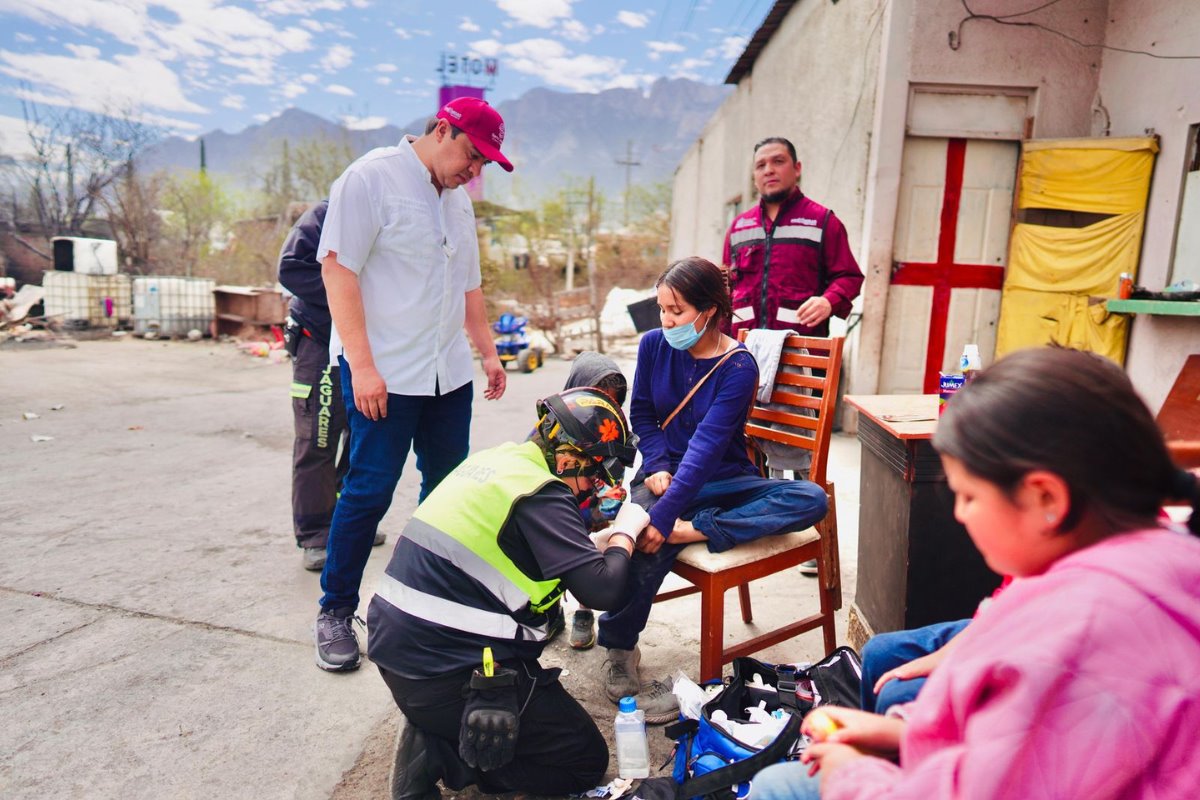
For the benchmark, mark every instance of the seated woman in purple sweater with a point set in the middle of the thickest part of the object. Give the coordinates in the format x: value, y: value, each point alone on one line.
x: 696, y: 479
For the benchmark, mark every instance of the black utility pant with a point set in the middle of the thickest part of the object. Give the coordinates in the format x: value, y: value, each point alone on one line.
x: 560, y: 750
x: 320, y: 417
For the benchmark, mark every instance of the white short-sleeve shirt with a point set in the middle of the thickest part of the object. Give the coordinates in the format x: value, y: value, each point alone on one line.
x: 416, y: 256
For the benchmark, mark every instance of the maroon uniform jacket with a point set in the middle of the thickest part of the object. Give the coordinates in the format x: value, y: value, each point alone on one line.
x: 775, y: 267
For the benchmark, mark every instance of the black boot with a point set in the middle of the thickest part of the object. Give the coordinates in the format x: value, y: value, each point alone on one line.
x: 415, y: 770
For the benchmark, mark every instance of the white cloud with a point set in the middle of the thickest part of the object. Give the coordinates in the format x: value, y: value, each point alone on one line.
x: 361, y: 3
x: 422, y: 32
x: 732, y: 46
x: 234, y: 101
x: 23, y: 38
x: 261, y: 117
x: 385, y: 67
x: 124, y: 82
x: 575, y: 31
x: 403, y: 34
x: 338, y: 57
x: 363, y: 123
x: 598, y: 29
x: 252, y: 71
x: 468, y: 26
x: 538, y: 13
x: 551, y: 61
x: 694, y: 63
x: 301, y: 8
x: 632, y: 19
x: 488, y: 48
x: 658, y: 48
x: 14, y: 139
x: 383, y: 80
x: 84, y: 51
x: 337, y: 88
x: 293, y: 90
x: 308, y: 77
x: 313, y: 25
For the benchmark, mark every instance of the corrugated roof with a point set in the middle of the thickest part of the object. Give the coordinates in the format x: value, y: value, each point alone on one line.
x: 757, y: 42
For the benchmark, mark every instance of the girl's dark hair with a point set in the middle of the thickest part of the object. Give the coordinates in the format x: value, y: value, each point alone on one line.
x: 701, y: 283
x: 1074, y: 414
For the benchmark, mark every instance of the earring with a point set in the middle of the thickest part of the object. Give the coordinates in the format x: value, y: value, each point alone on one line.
x: 1049, y: 518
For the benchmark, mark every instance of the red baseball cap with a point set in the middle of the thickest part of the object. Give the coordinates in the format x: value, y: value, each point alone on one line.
x: 482, y: 125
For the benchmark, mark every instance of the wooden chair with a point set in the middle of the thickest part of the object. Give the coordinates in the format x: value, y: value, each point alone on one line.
x: 711, y: 574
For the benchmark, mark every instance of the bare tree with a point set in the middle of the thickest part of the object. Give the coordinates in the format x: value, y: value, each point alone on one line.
x: 76, y: 156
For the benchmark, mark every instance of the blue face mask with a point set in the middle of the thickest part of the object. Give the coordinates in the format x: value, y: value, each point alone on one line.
x: 684, y: 337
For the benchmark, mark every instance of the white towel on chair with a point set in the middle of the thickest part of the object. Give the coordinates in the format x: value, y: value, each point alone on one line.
x: 766, y: 347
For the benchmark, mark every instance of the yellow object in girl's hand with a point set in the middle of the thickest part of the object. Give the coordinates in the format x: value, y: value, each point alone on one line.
x: 821, y: 725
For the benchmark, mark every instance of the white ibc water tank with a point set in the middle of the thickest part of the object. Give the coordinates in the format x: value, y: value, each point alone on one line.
x: 82, y: 301
x: 85, y: 256
x: 172, y: 305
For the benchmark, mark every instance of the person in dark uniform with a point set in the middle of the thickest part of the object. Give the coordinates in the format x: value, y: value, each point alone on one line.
x: 318, y: 461
x: 483, y: 563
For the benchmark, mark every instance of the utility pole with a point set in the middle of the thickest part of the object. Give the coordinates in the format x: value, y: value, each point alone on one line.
x: 203, y: 159
x: 628, y: 163
x: 592, y: 214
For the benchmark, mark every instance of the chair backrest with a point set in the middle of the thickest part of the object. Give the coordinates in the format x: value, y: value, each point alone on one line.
x: 812, y: 396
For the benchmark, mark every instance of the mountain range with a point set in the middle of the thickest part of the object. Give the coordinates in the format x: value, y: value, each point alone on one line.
x: 552, y: 137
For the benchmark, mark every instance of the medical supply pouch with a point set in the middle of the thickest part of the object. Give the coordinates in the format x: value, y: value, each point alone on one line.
x: 705, y: 746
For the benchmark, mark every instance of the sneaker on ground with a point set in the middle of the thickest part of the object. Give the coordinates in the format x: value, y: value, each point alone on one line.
x: 809, y: 568
x: 558, y: 623
x: 583, y: 629
x: 413, y: 775
x: 621, y: 673
x: 313, y: 558
x: 380, y: 538
x: 337, y: 643
x: 658, y: 703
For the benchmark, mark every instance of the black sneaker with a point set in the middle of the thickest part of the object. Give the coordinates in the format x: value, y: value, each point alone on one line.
x: 809, y: 568
x: 337, y: 644
x: 414, y: 775
x: 583, y: 629
x: 557, y: 624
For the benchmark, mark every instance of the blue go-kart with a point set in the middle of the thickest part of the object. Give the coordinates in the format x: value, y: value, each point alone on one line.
x: 512, y: 345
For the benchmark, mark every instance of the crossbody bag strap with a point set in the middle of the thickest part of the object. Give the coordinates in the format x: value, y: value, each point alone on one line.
x: 695, y: 388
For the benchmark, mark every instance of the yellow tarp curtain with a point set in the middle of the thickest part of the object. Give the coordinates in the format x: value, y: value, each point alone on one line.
x: 1055, y: 274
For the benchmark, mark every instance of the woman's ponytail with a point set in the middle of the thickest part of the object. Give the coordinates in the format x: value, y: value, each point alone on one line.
x: 1186, y: 486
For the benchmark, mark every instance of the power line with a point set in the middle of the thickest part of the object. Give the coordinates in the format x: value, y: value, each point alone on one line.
x: 956, y: 35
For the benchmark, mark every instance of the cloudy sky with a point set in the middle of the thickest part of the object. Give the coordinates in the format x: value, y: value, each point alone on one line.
x: 195, y: 65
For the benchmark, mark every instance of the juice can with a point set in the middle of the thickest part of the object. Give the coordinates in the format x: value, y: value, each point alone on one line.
x: 1125, y: 286
x: 948, y: 384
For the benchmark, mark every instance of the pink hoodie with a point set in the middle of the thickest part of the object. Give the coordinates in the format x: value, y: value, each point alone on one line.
x: 1083, y: 682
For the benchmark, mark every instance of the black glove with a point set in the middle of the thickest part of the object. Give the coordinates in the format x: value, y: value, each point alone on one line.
x: 490, y: 720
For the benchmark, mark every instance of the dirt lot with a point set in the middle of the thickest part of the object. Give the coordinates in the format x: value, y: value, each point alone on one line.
x: 159, y: 622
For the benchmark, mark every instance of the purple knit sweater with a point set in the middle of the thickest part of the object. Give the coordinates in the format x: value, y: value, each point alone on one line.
x: 706, y: 440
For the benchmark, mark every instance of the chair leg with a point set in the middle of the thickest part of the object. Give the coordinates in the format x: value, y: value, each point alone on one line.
x: 744, y: 600
x: 828, y: 625
x: 712, y: 630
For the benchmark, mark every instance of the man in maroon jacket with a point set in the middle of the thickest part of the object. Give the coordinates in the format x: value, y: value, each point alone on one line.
x: 788, y: 259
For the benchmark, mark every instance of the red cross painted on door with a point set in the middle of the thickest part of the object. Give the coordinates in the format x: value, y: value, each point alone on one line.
x: 952, y: 230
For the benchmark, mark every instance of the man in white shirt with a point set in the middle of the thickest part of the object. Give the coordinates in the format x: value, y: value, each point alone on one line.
x: 400, y: 260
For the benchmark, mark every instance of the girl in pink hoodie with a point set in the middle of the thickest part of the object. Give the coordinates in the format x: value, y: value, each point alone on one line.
x: 1079, y: 681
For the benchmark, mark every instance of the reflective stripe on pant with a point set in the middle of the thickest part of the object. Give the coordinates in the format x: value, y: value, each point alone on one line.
x: 320, y: 421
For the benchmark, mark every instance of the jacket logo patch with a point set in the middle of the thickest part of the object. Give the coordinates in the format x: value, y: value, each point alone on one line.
x: 803, y: 221
x: 744, y: 222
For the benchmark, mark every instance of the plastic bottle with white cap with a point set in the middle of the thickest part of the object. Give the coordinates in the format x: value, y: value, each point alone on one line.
x: 633, y: 751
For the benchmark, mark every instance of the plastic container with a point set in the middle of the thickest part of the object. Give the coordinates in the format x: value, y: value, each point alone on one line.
x: 970, y: 363
x: 633, y: 751
x: 78, y: 300
x: 172, y: 305
x: 85, y: 256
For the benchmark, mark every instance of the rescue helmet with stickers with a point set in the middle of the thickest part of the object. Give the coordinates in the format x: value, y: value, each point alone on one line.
x: 586, y: 422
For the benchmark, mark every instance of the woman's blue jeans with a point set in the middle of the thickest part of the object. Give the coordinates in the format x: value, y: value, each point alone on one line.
x: 886, y: 651
x: 437, y: 428
x: 786, y: 781
x: 728, y: 511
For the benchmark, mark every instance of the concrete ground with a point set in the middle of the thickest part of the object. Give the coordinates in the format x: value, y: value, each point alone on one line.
x: 158, y: 638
